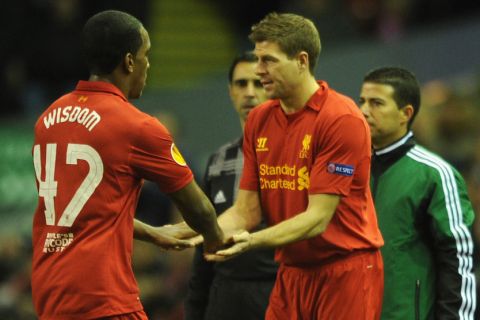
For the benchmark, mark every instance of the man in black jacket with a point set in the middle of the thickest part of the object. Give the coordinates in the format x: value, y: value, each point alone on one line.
x: 238, y: 288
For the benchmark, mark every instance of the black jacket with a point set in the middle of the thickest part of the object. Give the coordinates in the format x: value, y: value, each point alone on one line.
x: 256, y: 267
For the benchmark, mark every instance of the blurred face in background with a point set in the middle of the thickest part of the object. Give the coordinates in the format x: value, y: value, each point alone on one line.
x: 246, y: 91
x: 388, y: 123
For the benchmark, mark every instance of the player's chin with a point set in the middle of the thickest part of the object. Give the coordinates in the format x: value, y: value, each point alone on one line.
x: 135, y: 95
x: 271, y: 94
x: 246, y: 110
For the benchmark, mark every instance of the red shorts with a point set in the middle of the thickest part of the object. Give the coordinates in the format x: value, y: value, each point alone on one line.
x: 348, y: 288
x: 138, y: 315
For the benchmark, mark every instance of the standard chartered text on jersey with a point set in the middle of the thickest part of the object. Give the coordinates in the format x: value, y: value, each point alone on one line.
x: 280, y: 181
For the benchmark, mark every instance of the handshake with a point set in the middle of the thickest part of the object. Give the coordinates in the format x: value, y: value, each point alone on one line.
x: 180, y: 236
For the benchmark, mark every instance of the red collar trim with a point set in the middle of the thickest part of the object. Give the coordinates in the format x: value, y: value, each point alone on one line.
x: 99, y: 86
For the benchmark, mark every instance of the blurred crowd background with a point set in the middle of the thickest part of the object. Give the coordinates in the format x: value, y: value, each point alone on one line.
x: 193, y: 42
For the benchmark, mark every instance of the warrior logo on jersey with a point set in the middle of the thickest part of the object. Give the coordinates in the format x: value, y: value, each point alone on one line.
x: 177, y: 156
x: 305, y: 146
x: 261, y: 144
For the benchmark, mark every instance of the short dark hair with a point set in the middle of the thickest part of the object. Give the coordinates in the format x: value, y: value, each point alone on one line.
x: 406, y: 90
x: 293, y: 33
x: 247, y: 56
x: 107, y: 37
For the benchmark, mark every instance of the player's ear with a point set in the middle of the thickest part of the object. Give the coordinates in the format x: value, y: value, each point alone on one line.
x: 128, y: 62
x: 302, y: 60
x: 407, y: 113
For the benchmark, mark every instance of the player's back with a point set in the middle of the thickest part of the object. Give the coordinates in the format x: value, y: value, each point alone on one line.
x: 83, y: 225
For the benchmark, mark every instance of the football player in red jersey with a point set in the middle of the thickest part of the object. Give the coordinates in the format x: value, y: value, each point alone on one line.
x: 91, y: 152
x: 306, y: 170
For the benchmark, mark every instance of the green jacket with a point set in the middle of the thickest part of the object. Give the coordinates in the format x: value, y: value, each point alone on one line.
x: 425, y: 217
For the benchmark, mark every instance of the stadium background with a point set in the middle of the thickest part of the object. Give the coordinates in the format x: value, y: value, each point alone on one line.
x: 193, y: 42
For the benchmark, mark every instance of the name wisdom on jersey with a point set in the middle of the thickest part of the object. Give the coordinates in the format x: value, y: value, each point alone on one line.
x: 81, y: 115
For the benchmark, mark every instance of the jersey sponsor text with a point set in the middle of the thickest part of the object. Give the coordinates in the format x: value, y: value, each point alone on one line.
x: 57, y: 242
x: 287, y: 180
x: 286, y: 170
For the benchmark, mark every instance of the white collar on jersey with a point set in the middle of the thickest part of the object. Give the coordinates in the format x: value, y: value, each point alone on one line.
x: 394, y: 145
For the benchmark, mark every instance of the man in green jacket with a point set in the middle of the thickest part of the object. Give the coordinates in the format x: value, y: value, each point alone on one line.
x: 422, y: 205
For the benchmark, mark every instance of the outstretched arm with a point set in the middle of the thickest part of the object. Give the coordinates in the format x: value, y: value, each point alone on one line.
x: 245, y: 214
x: 305, y: 225
x: 159, y: 236
x: 199, y: 214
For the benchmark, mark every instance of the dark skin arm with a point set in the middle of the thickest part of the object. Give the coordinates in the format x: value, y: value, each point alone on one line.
x: 199, y: 215
x: 159, y: 236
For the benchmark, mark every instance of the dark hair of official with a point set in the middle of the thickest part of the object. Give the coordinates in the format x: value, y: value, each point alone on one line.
x: 246, y: 56
x: 406, y: 90
x: 292, y: 33
x: 107, y: 37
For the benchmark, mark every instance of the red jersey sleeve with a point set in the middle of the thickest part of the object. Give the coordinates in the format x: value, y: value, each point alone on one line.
x: 155, y: 157
x: 341, y: 150
x: 249, y: 179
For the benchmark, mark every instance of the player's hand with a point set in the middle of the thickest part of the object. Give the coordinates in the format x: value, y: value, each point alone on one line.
x: 196, y: 240
x: 216, y: 241
x: 182, y: 231
x: 179, y: 230
x: 165, y: 238
x: 240, y: 243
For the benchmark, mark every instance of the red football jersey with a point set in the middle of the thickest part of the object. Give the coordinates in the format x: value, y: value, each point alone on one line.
x: 91, y: 152
x: 322, y: 148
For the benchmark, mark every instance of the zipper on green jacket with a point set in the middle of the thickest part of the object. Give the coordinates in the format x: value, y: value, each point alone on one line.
x: 417, y: 300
